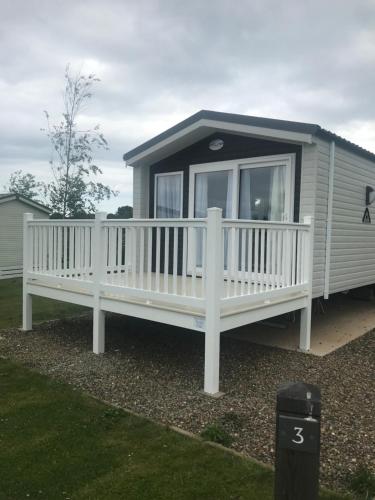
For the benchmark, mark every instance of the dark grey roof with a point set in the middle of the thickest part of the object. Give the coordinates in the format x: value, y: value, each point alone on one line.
x: 256, y: 121
x: 20, y: 197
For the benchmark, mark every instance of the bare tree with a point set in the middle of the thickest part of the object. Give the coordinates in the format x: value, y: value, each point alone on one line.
x: 74, y: 189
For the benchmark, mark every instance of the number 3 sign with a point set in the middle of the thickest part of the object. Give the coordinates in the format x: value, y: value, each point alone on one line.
x: 298, y: 433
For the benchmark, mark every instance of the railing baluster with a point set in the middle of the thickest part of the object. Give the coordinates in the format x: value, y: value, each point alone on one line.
x: 283, y: 259
x: 149, y: 259
x: 126, y: 255
x: 278, y: 259
x: 193, y: 261
x: 249, y: 259
x: 243, y: 257
x: 166, y: 259
x: 134, y: 257
x: 118, y: 254
x: 157, y: 270
x: 268, y: 259
x: 71, y: 250
x: 184, y: 259
x: 78, y: 251
x: 50, y: 248
x: 34, y: 261
x: 175, y: 257
x: 303, y: 251
x: 141, y: 258
x: 262, y: 257
x: 230, y: 262
x: 204, y: 263
x: 87, y: 252
x: 273, y: 259
x: 256, y: 261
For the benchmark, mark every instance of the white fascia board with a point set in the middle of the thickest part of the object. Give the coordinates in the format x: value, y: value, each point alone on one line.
x: 265, y: 132
x: 250, y: 130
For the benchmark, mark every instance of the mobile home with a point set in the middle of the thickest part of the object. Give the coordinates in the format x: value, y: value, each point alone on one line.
x: 12, y: 208
x: 236, y: 219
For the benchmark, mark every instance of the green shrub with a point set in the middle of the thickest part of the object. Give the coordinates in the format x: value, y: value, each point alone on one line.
x: 232, y: 421
x: 217, y: 434
x: 362, y: 483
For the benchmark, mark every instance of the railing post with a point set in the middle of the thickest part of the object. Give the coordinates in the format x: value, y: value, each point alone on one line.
x: 27, y: 306
x: 214, y: 286
x: 98, y: 266
x: 305, y: 322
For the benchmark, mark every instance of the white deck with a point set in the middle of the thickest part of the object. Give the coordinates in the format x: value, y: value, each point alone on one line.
x: 248, y: 272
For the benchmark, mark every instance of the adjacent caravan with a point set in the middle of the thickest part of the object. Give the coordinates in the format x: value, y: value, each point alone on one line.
x: 236, y: 219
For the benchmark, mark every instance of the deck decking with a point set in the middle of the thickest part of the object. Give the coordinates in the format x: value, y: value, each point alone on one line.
x: 248, y: 271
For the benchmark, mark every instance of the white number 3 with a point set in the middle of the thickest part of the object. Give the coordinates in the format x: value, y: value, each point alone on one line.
x: 298, y: 435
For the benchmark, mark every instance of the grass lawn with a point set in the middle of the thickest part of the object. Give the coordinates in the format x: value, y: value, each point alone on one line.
x: 56, y: 442
x: 43, y: 309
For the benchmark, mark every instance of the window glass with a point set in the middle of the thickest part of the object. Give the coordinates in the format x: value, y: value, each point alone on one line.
x: 213, y: 189
x: 262, y: 193
x: 168, y: 196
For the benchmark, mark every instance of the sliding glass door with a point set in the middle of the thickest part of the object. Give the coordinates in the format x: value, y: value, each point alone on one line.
x: 255, y: 188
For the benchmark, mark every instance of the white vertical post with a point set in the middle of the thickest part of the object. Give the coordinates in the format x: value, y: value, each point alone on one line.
x: 214, y: 285
x: 305, y: 322
x: 28, y: 248
x: 98, y: 267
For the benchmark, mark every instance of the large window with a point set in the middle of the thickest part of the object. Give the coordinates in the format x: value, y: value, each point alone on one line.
x: 168, y: 195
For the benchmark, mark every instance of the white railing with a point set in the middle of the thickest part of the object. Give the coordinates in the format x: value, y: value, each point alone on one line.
x: 156, y: 255
x: 150, y: 258
x: 60, y: 248
x: 264, y: 256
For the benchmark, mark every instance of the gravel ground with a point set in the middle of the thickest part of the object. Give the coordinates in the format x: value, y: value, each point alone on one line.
x: 157, y: 371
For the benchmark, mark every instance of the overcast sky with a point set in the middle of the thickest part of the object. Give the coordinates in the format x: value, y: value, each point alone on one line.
x: 161, y: 61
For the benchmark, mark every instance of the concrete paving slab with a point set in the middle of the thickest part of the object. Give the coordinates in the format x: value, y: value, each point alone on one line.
x: 343, y: 320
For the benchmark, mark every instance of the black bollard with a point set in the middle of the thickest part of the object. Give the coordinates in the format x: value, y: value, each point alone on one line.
x: 297, y: 442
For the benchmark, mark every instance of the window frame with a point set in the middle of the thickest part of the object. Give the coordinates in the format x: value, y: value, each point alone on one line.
x: 163, y: 174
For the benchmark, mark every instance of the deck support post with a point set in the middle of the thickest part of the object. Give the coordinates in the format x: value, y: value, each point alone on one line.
x: 214, y: 283
x: 305, y: 321
x: 27, y: 302
x: 98, y: 319
x: 305, y: 328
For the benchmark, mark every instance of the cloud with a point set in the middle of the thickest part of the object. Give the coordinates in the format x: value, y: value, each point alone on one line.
x: 161, y: 60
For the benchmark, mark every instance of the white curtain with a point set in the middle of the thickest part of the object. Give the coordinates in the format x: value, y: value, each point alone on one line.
x: 228, y: 209
x: 201, y: 195
x: 201, y: 203
x: 168, y: 196
x: 245, y: 194
x: 277, y: 194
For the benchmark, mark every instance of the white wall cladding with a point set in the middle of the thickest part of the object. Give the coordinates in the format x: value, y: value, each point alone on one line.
x: 141, y: 195
x: 11, y: 231
x: 321, y: 208
x: 314, y: 192
x: 353, y: 243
